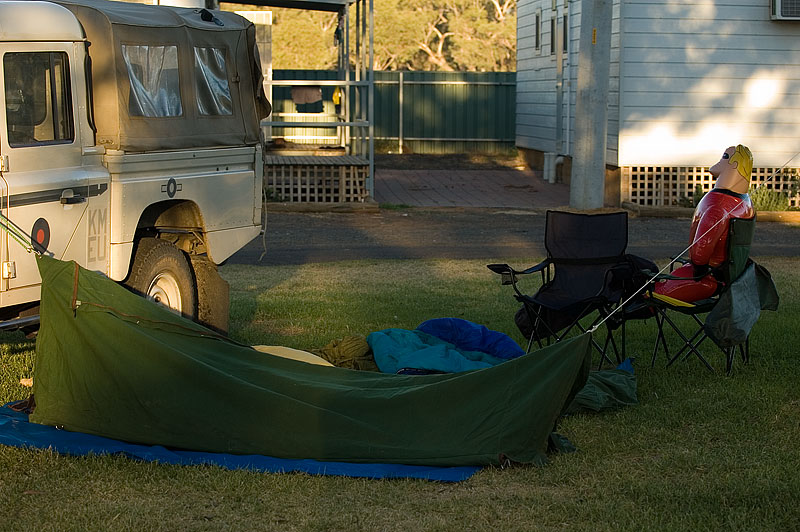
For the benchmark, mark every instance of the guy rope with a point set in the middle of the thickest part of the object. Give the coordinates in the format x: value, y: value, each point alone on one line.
x: 17, y: 234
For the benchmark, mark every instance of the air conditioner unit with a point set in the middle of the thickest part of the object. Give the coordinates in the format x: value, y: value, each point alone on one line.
x: 785, y: 10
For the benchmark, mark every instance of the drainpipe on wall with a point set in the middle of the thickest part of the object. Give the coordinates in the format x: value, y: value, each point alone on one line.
x: 549, y: 167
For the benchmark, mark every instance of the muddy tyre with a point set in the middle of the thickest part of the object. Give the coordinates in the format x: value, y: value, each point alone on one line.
x: 213, y: 295
x: 161, y: 273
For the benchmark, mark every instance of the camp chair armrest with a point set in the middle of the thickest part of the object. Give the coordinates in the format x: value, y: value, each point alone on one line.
x: 500, y: 268
x: 539, y: 267
x: 678, y: 260
x: 668, y: 277
x: 655, y: 277
x: 699, y: 272
x: 505, y: 269
x: 508, y: 275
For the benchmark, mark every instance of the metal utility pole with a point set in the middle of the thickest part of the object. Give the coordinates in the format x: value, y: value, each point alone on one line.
x: 591, y: 110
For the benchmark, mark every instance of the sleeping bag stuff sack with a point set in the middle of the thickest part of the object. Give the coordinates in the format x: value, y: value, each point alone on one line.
x: 111, y: 363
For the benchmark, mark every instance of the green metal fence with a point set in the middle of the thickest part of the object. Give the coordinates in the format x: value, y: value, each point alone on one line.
x: 419, y: 112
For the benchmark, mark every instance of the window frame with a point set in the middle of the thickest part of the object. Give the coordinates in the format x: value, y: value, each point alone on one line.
x: 65, y: 111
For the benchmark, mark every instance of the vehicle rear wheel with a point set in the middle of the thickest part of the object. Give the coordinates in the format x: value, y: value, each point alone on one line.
x: 161, y: 273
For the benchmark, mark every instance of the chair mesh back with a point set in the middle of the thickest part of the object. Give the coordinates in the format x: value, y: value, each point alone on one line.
x: 582, y: 247
x: 574, y: 236
x: 740, y: 237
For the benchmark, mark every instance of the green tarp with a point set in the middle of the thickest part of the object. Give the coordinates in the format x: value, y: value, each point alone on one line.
x: 607, y: 389
x: 112, y: 364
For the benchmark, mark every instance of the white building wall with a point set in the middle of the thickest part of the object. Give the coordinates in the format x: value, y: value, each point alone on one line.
x: 698, y: 76
x: 612, y: 146
x: 536, y: 74
x: 537, y: 126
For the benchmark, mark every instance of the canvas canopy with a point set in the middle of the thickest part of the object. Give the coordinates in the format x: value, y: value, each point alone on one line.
x: 168, y: 77
x: 112, y: 364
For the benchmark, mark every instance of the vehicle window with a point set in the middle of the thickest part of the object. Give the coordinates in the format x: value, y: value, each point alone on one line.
x: 153, y: 73
x: 211, y: 77
x: 38, y: 98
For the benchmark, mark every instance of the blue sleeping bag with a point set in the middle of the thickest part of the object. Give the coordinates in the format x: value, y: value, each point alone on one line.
x: 451, y: 345
x: 447, y: 345
x: 470, y: 336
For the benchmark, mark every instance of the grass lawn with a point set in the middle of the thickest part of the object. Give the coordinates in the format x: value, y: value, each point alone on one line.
x: 702, y: 451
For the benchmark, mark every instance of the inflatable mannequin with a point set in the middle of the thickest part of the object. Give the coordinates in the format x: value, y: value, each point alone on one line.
x: 728, y: 199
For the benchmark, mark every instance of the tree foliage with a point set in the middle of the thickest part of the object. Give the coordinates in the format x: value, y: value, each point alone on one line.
x: 463, y: 35
x: 466, y: 35
x: 303, y: 39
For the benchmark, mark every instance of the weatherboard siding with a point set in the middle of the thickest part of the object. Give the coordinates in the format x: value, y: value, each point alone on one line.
x: 536, y: 80
x: 536, y: 96
x: 687, y: 78
x: 699, y: 76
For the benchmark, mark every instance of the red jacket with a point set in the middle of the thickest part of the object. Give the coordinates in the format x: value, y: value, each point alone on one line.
x: 711, y: 247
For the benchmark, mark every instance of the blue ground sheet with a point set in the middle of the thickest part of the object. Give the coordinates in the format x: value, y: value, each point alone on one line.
x: 17, y: 431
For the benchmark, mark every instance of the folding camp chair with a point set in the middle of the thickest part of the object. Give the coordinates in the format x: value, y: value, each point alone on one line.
x: 740, y: 236
x: 584, y: 252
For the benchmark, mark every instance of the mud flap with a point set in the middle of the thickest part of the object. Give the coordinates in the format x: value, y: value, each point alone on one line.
x: 213, y: 295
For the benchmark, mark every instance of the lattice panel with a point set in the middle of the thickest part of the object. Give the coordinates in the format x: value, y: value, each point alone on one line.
x: 317, y: 183
x: 666, y: 185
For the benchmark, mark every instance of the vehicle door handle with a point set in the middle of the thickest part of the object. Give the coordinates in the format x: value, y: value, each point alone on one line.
x: 72, y: 200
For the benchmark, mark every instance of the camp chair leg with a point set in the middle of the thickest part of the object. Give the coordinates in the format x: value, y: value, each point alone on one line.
x: 660, y: 337
x: 576, y: 323
x: 535, y: 317
x: 601, y: 350
x: 536, y: 320
x: 688, y: 343
x: 691, y: 348
x: 694, y: 345
x: 553, y: 335
x: 603, y: 356
x: 535, y: 326
x: 533, y: 331
x: 614, y: 345
x: 691, y: 344
x: 610, y: 337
